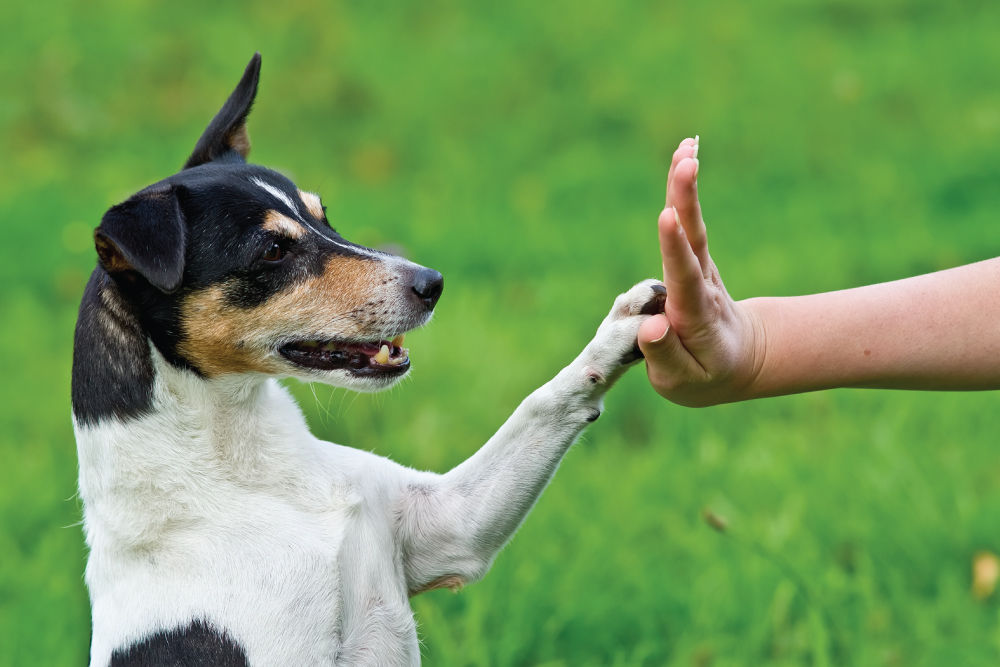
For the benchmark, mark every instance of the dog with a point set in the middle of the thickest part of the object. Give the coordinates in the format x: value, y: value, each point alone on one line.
x: 220, y: 530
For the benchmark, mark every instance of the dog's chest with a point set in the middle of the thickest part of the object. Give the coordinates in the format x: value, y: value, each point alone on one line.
x: 276, y: 556
x: 270, y: 580
x: 288, y: 587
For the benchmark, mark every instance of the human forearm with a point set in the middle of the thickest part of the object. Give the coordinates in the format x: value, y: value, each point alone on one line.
x: 936, y: 331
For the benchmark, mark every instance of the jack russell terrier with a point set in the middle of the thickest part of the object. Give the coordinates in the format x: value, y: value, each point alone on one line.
x: 220, y: 530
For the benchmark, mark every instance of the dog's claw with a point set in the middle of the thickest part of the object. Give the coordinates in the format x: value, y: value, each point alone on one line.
x: 655, y: 305
x: 617, y: 334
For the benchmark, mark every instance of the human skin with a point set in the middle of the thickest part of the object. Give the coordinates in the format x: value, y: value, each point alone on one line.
x: 938, y: 331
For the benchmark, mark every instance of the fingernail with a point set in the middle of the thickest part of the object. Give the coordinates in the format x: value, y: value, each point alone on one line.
x: 697, y: 139
x: 696, y: 165
x: 666, y: 330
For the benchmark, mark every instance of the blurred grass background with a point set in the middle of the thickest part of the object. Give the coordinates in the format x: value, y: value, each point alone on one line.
x: 521, y: 148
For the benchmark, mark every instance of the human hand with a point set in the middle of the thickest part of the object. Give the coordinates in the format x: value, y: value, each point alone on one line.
x: 705, y: 348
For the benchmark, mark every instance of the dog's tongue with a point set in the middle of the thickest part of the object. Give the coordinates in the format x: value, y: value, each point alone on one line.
x: 370, y: 349
x: 377, y: 350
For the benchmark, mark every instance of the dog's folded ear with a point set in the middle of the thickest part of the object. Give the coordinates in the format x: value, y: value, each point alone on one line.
x: 225, y: 138
x: 145, y: 235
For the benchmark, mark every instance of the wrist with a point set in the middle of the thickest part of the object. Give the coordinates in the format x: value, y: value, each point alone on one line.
x: 755, y: 353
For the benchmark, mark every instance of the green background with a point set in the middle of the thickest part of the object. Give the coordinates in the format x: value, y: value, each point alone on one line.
x: 520, y: 148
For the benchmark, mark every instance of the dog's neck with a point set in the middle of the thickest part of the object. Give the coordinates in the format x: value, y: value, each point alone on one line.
x: 144, y: 422
x: 119, y: 373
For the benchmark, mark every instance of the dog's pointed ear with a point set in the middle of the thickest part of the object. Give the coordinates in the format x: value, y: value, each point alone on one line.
x: 226, y: 136
x: 145, y: 235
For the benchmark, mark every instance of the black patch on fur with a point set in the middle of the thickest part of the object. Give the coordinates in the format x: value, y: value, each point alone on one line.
x: 197, y: 645
x: 112, y: 371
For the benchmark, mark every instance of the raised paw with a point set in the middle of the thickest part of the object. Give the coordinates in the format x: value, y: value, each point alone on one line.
x: 645, y: 298
x: 615, y: 344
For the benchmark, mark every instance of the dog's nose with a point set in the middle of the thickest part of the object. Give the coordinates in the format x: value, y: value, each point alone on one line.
x: 427, y: 285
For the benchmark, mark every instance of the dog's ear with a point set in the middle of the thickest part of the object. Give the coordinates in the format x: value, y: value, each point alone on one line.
x: 226, y: 137
x: 145, y: 235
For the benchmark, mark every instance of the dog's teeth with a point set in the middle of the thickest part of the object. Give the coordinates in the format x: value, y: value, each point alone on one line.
x: 383, y: 355
x: 398, y: 340
x: 399, y: 358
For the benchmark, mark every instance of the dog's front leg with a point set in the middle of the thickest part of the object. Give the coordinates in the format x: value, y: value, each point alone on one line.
x: 452, y: 526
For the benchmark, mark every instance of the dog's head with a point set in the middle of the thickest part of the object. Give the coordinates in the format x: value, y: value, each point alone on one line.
x: 230, y: 268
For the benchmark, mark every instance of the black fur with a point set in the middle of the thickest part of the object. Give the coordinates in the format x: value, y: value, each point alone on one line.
x: 197, y: 645
x: 225, y: 211
x: 146, y: 233
x: 112, y: 371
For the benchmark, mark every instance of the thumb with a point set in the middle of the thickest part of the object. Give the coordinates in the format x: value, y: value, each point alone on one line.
x: 667, y: 360
x: 659, y: 343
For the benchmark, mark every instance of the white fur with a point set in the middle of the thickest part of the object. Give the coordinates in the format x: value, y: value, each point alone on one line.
x: 221, y: 505
x: 277, y: 194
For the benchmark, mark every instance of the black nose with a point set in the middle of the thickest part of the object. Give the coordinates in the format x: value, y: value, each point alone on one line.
x: 427, y: 285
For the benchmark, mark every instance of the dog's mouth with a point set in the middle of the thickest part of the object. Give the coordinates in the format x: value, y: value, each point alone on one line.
x: 381, y: 358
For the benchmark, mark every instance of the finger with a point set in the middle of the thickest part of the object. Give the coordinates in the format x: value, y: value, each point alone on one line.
x: 684, y: 149
x: 665, y: 355
x: 682, y: 274
x: 684, y: 194
x: 658, y: 342
x: 687, y: 148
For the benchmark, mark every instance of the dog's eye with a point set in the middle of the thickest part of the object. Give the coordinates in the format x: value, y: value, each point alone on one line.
x: 274, y: 254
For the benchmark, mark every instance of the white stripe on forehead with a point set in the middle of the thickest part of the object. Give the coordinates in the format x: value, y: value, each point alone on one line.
x: 282, y: 197
x: 277, y: 194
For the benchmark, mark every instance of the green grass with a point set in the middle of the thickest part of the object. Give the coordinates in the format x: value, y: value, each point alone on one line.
x: 520, y: 148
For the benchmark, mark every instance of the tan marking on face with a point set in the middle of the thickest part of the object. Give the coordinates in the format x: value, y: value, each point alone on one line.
x: 282, y: 224
x: 219, y: 338
x: 313, y: 204
x: 452, y: 581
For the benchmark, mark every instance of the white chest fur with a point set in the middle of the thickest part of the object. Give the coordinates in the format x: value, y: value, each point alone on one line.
x: 220, y: 505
